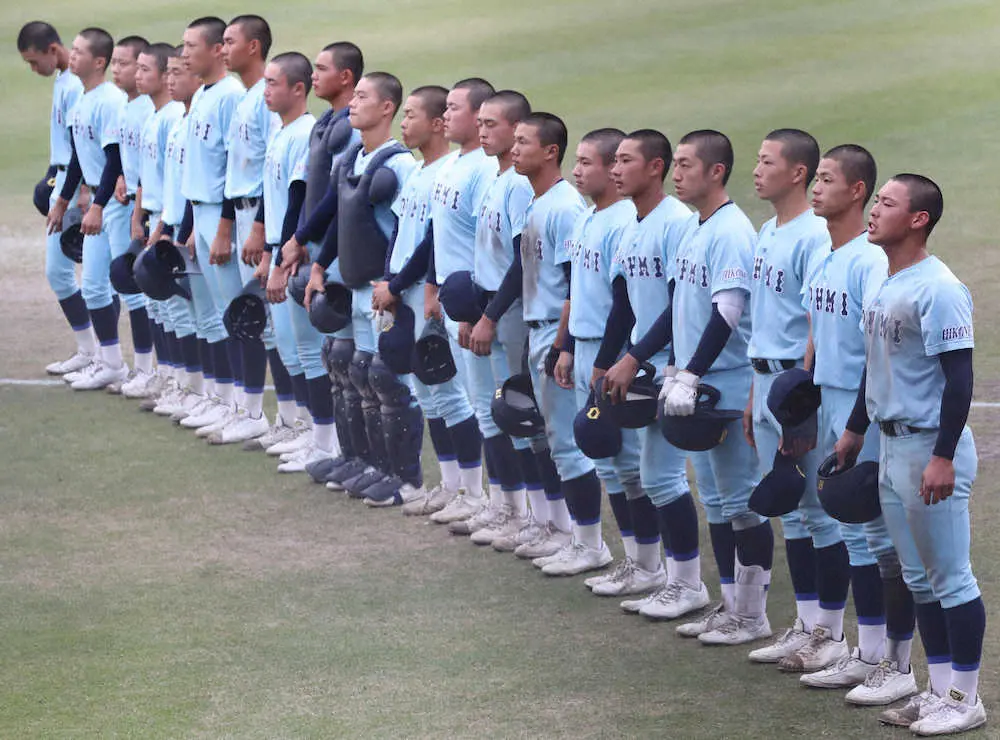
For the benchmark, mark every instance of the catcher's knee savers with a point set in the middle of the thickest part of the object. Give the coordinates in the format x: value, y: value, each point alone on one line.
x: 705, y: 429
x: 849, y: 495
x: 337, y: 354
x: 515, y: 410
x: 391, y: 391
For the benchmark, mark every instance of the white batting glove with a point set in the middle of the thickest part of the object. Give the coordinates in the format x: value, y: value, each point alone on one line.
x: 682, y: 396
x: 669, y: 375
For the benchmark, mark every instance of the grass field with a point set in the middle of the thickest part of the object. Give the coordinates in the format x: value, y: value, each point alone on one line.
x: 151, y: 586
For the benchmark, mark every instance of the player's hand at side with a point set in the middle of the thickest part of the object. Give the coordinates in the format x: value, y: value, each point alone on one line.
x: 221, y: 250
x: 938, y: 480
x: 136, y: 229
x: 595, y: 376
x: 277, y: 282
x: 93, y: 220
x: 56, y: 215
x: 619, y: 377
x: 432, y: 306
x: 848, y: 448
x: 263, y: 269
x: 121, y: 191
x: 748, y: 423
x: 316, y: 284
x: 564, y: 370
x: 155, y: 235
x: 293, y: 254
x: 253, y: 247
x: 382, y: 297
x: 682, y: 395
x: 483, y: 334
x: 464, y: 334
x: 192, y: 247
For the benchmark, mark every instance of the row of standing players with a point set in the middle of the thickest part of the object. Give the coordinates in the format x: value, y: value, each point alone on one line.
x: 259, y: 190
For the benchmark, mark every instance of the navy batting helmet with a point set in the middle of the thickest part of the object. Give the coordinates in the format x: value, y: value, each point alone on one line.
x: 71, y: 238
x: 462, y: 298
x: 296, y: 288
x: 330, y: 311
x: 596, y: 435
x: 780, y: 491
x: 121, y: 270
x: 432, y: 360
x: 246, y: 315
x: 849, y: 495
x: 794, y: 400
x: 638, y: 409
x: 514, y: 408
x: 395, y: 344
x: 158, y: 271
x: 43, y: 193
x: 705, y: 428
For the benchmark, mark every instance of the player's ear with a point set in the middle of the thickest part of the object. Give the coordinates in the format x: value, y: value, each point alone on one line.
x: 919, y: 220
x: 858, y: 191
x: 437, y: 125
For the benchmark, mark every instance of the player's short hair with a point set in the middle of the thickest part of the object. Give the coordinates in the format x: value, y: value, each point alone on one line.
x: 212, y: 28
x: 857, y: 164
x: 388, y: 88
x: 712, y: 148
x: 255, y: 28
x: 654, y: 145
x: 296, y: 68
x: 479, y: 90
x: 514, y: 105
x: 161, y: 53
x: 99, y: 42
x: 433, y: 99
x: 347, y: 56
x: 925, y: 195
x: 606, y: 141
x: 551, y: 131
x: 37, y: 35
x: 178, y: 51
x: 798, y: 147
x: 136, y: 44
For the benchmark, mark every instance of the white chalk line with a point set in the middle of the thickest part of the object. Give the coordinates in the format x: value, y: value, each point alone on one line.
x: 51, y: 383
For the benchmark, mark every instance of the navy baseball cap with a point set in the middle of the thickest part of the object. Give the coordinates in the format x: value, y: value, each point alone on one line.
x: 780, y: 491
x: 432, y: 361
x: 462, y: 298
x: 395, y: 344
x: 706, y: 428
x: 514, y: 408
x: 245, y: 317
x: 296, y: 288
x: 71, y: 237
x: 638, y: 410
x: 158, y: 271
x: 329, y: 311
x: 43, y: 193
x: 849, y: 495
x: 596, y: 435
x: 794, y: 400
x: 121, y: 270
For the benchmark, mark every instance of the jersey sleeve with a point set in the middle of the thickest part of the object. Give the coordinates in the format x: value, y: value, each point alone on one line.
x: 403, y: 165
x: 674, y: 233
x: 562, y: 224
x: 946, y: 318
x: 729, y: 258
x: 112, y: 121
x: 71, y: 96
x: 298, y: 159
x: 518, y: 199
x: 227, y: 111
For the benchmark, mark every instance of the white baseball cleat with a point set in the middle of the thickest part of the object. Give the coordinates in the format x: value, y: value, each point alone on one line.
x: 194, y: 404
x: 434, y: 500
x: 140, y: 385
x: 713, y: 620
x: 519, y: 531
x: 544, y: 560
x: 631, y: 580
x: 884, y: 684
x: 98, y: 376
x: 77, y: 362
x: 675, y: 600
x: 212, y: 412
x: 820, y: 651
x: 579, y: 558
x: 916, y: 708
x: 461, y: 507
x: 497, y: 527
x: 846, y: 673
x: 301, y: 439
x: 231, y: 416
x: 170, y: 402
x: 550, y: 541
x: 407, y: 493
x: 737, y: 631
x: 605, y: 576
x: 298, y: 463
x: 485, y: 517
x: 83, y: 372
x: 278, y: 432
x: 787, y: 643
x: 951, y: 715
x: 240, y: 429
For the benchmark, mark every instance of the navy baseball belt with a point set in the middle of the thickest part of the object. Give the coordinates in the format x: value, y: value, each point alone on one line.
x: 540, y: 324
x: 243, y: 203
x: 766, y: 367
x: 898, y: 429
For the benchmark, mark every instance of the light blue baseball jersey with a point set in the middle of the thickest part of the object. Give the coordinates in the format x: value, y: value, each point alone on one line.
x: 545, y: 245
x: 413, y: 209
x: 784, y: 257
x: 914, y: 316
x: 174, y: 202
x: 501, y: 215
x: 251, y: 129
x: 645, y: 257
x: 403, y: 164
x: 133, y: 119
x: 94, y: 121
x: 66, y: 91
x: 458, y: 193
x: 208, y: 136
x: 596, y: 236
x: 834, y: 295
x: 284, y: 163
x: 153, y: 145
x: 713, y: 256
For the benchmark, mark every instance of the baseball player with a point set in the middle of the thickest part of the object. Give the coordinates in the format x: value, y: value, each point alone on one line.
x: 540, y: 142
x: 596, y: 235
x: 444, y: 406
x: 834, y: 295
x: 43, y: 50
x: 246, y: 44
x: 204, y: 186
x: 917, y: 386
x: 641, y: 272
x: 788, y: 245
x: 151, y: 82
x: 95, y: 140
x: 710, y: 332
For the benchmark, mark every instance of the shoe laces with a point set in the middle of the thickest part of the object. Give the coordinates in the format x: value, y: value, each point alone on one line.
x: 816, y: 640
x: 881, y: 673
x: 623, y: 570
x: 787, y: 636
x: 669, y: 593
x: 842, y: 664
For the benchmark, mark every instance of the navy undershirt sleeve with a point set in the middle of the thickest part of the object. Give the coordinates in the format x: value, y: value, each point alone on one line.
x: 658, y: 337
x: 321, y: 217
x: 296, y: 197
x: 858, y: 422
x: 620, y: 321
x: 187, y: 223
x: 431, y: 267
x: 510, y: 288
x: 109, y: 177
x: 415, y: 267
x: 228, y: 209
x: 259, y: 218
x: 73, y: 174
x: 328, y: 252
x: 955, y: 401
x: 713, y: 341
